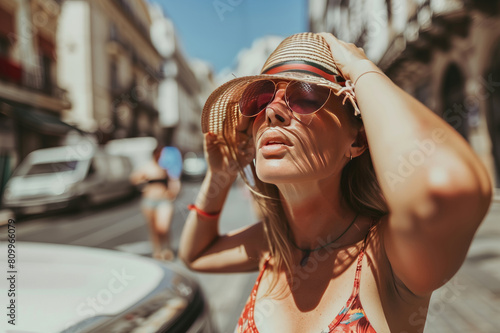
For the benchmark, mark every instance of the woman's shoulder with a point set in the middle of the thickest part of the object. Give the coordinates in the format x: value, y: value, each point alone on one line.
x: 260, y: 247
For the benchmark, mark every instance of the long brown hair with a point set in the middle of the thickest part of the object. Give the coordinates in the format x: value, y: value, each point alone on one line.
x: 359, y: 187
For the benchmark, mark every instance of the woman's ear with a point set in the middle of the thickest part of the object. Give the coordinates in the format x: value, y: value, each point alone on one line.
x: 360, y: 143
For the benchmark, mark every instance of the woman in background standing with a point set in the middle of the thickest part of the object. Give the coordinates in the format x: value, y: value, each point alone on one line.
x: 158, y: 194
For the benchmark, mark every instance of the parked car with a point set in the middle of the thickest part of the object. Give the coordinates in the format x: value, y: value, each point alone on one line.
x: 69, y: 288
x: 194, y: 166
x: 67, y: 177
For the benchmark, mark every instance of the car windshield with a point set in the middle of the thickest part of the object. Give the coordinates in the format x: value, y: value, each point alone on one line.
x: 52, y: 167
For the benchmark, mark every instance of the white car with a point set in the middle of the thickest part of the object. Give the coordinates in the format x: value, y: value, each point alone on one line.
x: 194, y: 166
x: 66, y: 177
x: 64, y: 288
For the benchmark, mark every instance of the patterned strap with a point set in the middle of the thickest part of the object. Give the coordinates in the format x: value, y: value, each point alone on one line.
x: 357, y: 278
x: 255, y: 287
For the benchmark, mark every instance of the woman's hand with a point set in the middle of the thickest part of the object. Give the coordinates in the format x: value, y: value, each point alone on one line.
x: 350, y: 59
x: 218, y: 157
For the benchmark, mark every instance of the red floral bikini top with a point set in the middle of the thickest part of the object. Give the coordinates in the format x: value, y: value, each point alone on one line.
x: 351, y: 318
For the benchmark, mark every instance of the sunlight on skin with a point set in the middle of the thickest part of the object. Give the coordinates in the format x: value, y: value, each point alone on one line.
x: 316, y: 145
x: 308, y: 173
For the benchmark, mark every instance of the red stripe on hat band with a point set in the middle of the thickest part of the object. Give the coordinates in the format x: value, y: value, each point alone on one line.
x: 301, y: 67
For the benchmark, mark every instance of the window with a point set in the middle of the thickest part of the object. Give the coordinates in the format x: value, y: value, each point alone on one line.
x: 53, y: 167
x: 4, y: 47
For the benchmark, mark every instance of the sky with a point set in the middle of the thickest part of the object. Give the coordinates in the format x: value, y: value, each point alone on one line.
x: 216, y: 30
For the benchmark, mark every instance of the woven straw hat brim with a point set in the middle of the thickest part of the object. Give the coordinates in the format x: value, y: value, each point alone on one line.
x: 222, y: 106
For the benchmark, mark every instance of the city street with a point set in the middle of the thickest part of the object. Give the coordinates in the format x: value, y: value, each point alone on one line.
x: 100, y: 100
x: 121, y: 227
x: 470, y: 302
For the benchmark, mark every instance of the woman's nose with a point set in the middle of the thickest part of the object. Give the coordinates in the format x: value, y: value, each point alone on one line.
x: 277, y: 112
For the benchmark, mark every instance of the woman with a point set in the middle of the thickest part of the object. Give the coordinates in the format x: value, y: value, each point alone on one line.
x: 158, y: 194
x: 363, y: 217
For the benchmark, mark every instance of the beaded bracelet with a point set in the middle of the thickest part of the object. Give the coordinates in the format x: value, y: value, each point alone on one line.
x: 202, y: 212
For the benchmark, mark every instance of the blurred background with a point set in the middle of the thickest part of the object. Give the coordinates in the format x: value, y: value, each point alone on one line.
x: 89, y: 88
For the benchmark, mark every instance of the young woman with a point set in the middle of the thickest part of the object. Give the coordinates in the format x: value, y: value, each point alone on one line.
x: 362, y: 217
x: 158, y: 193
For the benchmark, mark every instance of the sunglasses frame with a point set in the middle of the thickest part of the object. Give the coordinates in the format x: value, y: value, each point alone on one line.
x: 285, y: 98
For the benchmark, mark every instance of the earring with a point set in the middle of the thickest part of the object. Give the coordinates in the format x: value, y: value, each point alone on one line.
x: 351, y: 155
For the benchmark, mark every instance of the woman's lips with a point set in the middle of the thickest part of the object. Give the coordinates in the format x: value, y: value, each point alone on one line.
x: 274, y: 143
x: 273, y: 149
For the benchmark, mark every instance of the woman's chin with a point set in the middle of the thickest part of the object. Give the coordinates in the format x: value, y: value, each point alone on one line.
x: 277, y: 179
x: 274, y: 174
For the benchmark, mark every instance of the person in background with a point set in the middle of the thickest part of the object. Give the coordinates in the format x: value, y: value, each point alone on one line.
x: 158, y: 194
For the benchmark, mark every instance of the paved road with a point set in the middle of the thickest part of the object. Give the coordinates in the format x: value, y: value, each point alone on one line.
x: 470, y: 302
x: 120, y: 226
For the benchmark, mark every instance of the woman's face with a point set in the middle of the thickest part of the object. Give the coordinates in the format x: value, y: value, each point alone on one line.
x: 289, y: 150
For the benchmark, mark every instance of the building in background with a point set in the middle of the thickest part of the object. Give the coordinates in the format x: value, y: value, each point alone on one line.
x: 182, y: 90
x: 31, y: 101
x: 446, y: 53
x: 110, y: 68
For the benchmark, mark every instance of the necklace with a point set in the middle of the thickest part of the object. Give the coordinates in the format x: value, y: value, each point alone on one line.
x: 307, y: 252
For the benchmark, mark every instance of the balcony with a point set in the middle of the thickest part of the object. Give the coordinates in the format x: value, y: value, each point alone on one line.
x: 128, y: 11
x: 29, y: 88
x: 432, y: 27
x: 10, y: 71
x: 116, y: 44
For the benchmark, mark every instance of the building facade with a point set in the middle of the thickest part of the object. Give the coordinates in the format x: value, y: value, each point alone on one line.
x: 446, y: 53
x: 31, y: 100
x: 182, y: 90
x: 110, y: 68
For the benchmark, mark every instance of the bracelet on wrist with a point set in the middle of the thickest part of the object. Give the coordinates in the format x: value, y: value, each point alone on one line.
x: 359, y: 77
x: 202, y: 212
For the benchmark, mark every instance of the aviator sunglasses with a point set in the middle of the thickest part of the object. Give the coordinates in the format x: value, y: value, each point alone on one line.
x: 302, y: 98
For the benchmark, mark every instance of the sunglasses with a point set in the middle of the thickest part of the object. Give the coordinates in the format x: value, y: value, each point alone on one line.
x: 302, y: 98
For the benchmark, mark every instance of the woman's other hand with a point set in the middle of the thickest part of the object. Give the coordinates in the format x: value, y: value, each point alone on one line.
x: 350, y: 59
x: 218, y: 158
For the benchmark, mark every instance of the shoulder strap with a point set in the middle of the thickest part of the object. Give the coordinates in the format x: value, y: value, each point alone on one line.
x: 357, y: 277
x: 253, y: 294
x: 264, y: 266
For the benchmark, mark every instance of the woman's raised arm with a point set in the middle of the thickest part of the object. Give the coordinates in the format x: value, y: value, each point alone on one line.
x: 437, y: 190
x: 201, y: 246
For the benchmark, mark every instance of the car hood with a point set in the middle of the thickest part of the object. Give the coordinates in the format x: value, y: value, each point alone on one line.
x: 58, y: 286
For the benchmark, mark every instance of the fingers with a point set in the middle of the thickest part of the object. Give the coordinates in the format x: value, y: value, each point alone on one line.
x: 339, y: 51
x: 213, y: 144
x: 328, y: 37
x: 243, y: 123
x: 335, y: 44
x: 213, y: 139
x: 346, y: 56
x: 245, y: 147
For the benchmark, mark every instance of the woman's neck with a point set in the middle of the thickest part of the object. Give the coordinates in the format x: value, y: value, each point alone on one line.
x: 315, y: 212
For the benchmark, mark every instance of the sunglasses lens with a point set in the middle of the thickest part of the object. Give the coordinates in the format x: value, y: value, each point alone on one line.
x: 256, y: 97
x: 306, y: 98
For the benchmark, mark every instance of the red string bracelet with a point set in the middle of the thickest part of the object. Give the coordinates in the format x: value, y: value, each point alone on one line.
x: 202, y: 212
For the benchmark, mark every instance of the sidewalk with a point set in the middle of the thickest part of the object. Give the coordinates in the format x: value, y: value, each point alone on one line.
x: 470, y: 301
